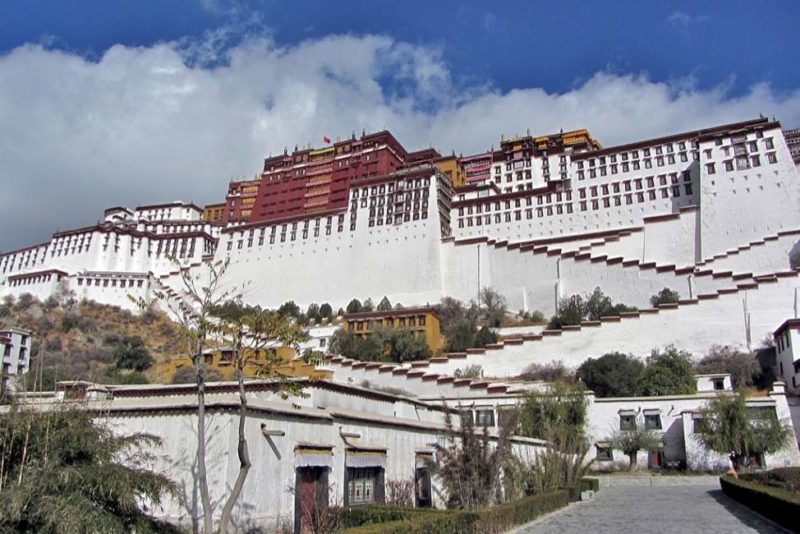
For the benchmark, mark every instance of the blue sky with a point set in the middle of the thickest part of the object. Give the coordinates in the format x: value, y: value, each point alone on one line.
x: 105, y: 102
x: 511, y: 45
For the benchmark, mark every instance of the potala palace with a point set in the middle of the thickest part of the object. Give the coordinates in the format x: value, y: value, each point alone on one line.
x: 713, y: 214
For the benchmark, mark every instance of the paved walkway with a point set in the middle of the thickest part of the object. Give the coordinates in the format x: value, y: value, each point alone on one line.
x: 658, y: 509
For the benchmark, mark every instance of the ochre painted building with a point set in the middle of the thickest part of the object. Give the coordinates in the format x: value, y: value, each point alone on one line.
x: 420, y: 321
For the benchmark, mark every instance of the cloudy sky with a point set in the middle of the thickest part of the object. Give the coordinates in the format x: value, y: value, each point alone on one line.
x: 105, y: 102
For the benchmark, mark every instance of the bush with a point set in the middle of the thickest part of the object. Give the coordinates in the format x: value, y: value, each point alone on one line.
x: 612, y: 375
x: 470, y: 371
x: 665, y: 296
x: 776, y: 504
x: 548, y: 372
x: 787, y: 478
x: 385, y: 519
x: 484, y: 337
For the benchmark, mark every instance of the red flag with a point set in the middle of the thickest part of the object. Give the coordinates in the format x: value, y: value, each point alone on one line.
x: 326, y: 139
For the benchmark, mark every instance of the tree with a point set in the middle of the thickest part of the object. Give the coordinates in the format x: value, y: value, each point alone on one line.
x: 368, y: 305
x: 484, y: 337
x: 470, y: 371
x: 401, y: 345
x: 557, y: 416
x: 188, y: 375
x: 633, y: 439
x: 665, y: 296
x: 200, y: 294
x: 494, y: 307
x: 471, y: 469
x: 346, y: 343
x: 130, y: 352
x: 354, y: 306
x: 612, y: 375
x: 63, y: 472
x: 668, y: 373
x: 460, y: 338
x: 571, y: 311
x: 289, y: 309
x: 732, y: 429
x: 250, y: 330
x: 599, y: 305
x: 385, y: 304
x: 743, y: 367
x: 313, y: 313
x: 326, y: 312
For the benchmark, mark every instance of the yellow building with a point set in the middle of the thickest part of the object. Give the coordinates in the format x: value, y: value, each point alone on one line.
x: 421, y: 321
x: 214, y: 212
x: 453, y: 169
x: 221, y: 359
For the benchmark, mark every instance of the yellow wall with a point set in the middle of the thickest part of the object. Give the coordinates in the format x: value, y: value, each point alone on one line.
x: 292, y: 365
x: 454, y: 170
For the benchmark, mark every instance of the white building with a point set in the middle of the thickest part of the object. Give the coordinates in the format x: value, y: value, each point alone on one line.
x: 339, y: 444
x: 787, y: 349
x: 15, y: 346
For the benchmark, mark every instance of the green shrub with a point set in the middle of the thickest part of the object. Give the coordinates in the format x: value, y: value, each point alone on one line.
x: 390, y: 520
x: 776, y: 504
x: 787, y: 478
x: 589, y: 483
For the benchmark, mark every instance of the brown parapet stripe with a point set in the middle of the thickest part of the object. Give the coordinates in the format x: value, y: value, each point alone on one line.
x: 583, y: 256
x: 531, y: 337
x: 661, y: 218
x: 429, y: 377
x: 665, y: 268
x: 647, y: 265
x: 599, y: 259
x: 722, y: 274
x: 415, y: 373
x: 493, y: 346
x: 460, y: 382
x: 766, y: 279
x: 707, y: 296
x: 386, y: 369
x: 630, y: 263
x: 476, y: 351
x: 569, y: 254
x: 728, y: 290
x: 687, y: 302
x: 668, y: 306
x: 785, y: 274
x: 740, y: 276
x: 514, y: 246
x: 458, y: 355
x: 513, y: 341
x: 705, y: 272
x: 501, y: 244
x: 372, y: 365
x: 444, y: 379
x: 497, y: 388
x: 359, y: 365
x: 610, y: 319
x: 478, y: 385
x: 684, y: 270
x: 346, y: 363
x: 400, y: 371
x: 551, y: 332
x: 747, y: 285
x: 554, y: 252
x: 614, y: 260
x: 439, y: 359
x: 771, y: 238
x: 419, y: 364
x: 571, y: 328
x: 648, y: 311
x: 527, y: 248
x: 590, y: 323
x: 629, y: 314
x: 789, y: 232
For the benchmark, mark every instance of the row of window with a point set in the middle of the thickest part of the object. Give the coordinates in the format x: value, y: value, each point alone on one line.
x: 668, y: 148
x: 741, y: 163
x: 113, y: 282
x: 647, y: 163
x: 36, y: 279
x: 583, y: 205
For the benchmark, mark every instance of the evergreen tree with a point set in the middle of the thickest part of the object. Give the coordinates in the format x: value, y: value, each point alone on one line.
x: 385, y: 304
x: 354, y: 306
x: 62, y: 472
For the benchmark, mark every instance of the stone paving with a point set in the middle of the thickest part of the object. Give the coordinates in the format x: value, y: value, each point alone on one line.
x: 654, y: 509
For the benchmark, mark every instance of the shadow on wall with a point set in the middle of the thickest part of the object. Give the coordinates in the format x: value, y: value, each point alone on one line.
x: 794, y: 256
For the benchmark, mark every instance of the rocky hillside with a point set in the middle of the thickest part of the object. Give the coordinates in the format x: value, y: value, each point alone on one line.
x: 90, y: 341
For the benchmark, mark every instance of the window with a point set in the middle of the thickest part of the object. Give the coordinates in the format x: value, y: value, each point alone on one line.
x: 364, y: 485
x: 484, y: 418
x: 771, y: 157
x: 604, y: 453
x: 719, y: 384
x: 710, y: 168
x: 768, y: 143
x: 652, y: 421
x: 627, y: 421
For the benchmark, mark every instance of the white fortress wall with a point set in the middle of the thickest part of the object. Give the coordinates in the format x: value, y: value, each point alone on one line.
x: 693, y: 327
x: 748, y: 201
x: 401, y: 261
x: 767, y: 254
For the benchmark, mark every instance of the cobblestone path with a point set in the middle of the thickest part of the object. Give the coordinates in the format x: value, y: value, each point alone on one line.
x: 660, y: 509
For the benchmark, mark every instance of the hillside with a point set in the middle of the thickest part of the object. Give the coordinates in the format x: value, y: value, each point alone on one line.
x: 90, y: 341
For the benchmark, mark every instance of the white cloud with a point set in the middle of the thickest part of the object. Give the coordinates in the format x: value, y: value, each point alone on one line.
x: 146, y: 125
